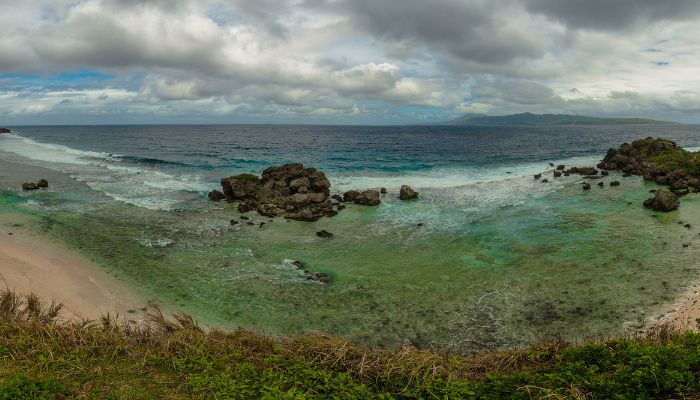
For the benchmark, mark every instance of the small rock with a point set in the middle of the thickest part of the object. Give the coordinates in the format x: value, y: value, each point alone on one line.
x: 407, y: 193
x: 250, y: 223
x: 601, y: 184
x: 662, y: 201
x: 382, y: 190
x: 233, y: 222
x: 551, y: 164
x: 261, y: 225
x: 43, y: 183
x: 244, y: 218
x: 586, y: 186
x: 561, y: 167
x: 368, y: 198
x: 538, y: 176
x: 216, y: 195
x: 614, y: 183
x: 29, y: 186
x: 688, y: 226
x: 324, y: 234
x: 557, y: 174
x: 350, y: 196
x: 604, y: 173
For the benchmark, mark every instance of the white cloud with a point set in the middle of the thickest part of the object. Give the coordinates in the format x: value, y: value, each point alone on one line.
x: 357, y: 60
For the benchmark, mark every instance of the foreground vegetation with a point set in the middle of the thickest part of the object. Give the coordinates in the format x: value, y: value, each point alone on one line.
x: 44, y: 358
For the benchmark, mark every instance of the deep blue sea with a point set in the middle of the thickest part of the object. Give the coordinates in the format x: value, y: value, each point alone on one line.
x: 486, y: 257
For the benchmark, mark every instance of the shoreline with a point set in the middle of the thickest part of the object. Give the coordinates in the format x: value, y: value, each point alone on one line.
x: 681, y: 315
x: 32, y: 264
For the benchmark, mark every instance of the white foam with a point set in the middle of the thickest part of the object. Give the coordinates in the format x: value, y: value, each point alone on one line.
x: 140, y: 186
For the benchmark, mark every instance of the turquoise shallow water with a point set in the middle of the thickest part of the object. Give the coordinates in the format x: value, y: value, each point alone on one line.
x: 498, y: 262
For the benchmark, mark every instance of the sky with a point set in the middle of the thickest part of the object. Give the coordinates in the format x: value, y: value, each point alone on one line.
x: 345, y: 61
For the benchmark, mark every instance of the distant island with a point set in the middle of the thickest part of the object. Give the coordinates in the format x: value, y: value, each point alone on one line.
x: 550, y: 119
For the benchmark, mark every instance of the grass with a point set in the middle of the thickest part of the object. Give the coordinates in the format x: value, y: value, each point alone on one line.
x: 244, y: 177
x: 44, y: 357
x: 671, y: 158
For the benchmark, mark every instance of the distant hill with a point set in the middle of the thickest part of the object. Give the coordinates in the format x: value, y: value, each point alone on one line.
x: 551, y: 119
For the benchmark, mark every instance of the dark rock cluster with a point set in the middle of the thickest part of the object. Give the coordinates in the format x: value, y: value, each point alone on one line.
x: 295, y: 192
x: 291, y: 190
x: 5, y: 130
x: 661, y: 161
x: 43, y: 183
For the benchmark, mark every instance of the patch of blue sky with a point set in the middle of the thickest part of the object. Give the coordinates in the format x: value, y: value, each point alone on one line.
x: 71, y: 79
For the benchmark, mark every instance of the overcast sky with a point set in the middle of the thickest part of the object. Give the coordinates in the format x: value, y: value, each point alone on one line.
x: 345, y: 61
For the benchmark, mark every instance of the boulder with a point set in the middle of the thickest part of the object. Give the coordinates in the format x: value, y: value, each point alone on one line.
x: 407, y: 193
x: 368, y: 198
x: 216, y: 195
x: 43, y: 183
x: 561, y: 167
x: 29, y: 186
x: 557, y: 174
x: 350, y: 196
x: 662, y: 201
x: 382, y: 190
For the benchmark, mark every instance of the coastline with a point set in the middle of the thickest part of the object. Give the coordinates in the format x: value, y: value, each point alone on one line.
x: 32, y: 264
x: 683, y: 315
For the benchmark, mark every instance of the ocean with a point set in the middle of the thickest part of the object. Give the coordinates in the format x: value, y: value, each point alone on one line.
x: 500, y: 260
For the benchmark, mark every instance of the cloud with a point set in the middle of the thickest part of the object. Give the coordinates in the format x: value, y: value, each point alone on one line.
x: 615, y: 15
x: 345, y: 60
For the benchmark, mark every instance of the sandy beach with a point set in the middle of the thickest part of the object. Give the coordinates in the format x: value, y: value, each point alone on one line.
x: 684, y: 314
x: 31, y: 264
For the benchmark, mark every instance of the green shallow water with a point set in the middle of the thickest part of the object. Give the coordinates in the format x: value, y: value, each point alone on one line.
x: 568, y: 263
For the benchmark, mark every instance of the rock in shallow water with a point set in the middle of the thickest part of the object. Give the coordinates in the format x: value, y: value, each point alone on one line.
x: 662, y: 201
x: 300, y: 193
x: 324, y: 234
x: 407, y: 193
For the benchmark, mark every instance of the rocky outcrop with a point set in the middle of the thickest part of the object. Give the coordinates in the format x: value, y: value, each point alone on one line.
x: 658, y: 160
x: 407, y: 193
x: 5, y: 130
x: 662, y: 201
x: 291, y: 190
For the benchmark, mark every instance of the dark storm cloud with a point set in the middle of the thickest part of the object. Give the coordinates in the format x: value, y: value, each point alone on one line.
x: 614, y: 14
x: 469, y: 30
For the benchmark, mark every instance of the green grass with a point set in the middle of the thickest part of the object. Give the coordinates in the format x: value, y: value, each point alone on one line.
x: 42, y: 357
x: 245, y: 177
x: 671, y: 159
